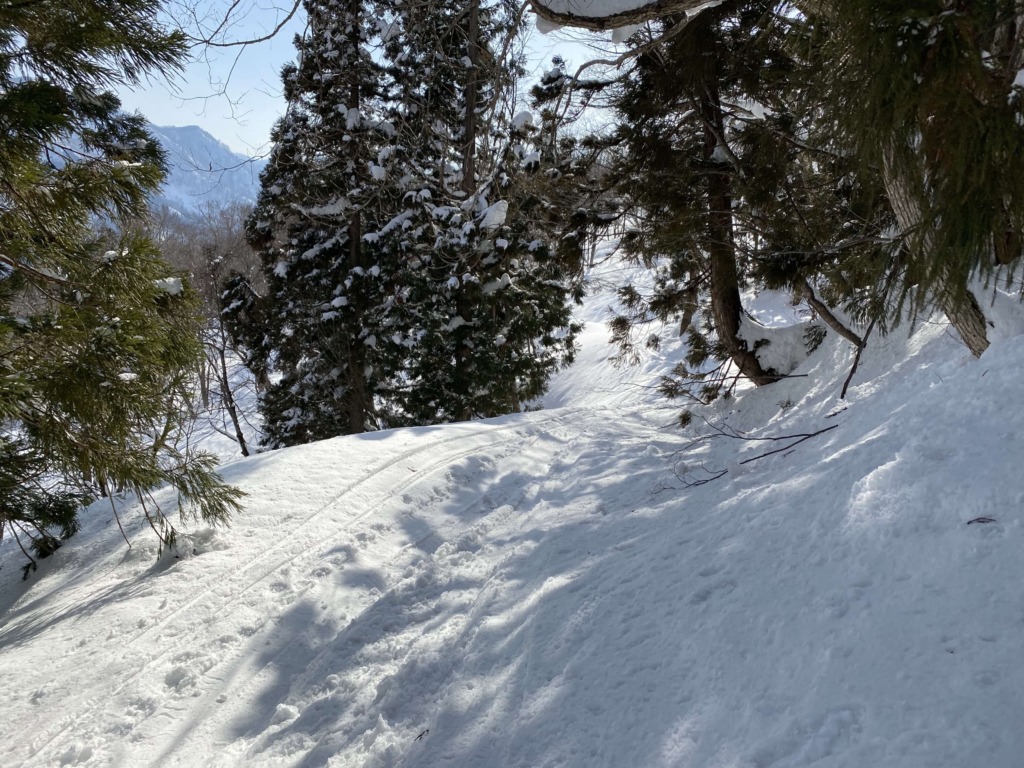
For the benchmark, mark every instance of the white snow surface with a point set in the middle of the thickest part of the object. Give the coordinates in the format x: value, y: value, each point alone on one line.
x: 493, y: 216
x: 594, y: 9
x: 543, y: 589
x: 622, y: 34
x: 601, y: 9
x: 170, y: 285
x: 523, y: 119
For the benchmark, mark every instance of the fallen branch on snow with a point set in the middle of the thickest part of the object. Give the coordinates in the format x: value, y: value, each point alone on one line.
x: 686, y: 475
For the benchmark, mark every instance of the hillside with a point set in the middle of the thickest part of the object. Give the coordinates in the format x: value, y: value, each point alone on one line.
x: 555, y: 589
x: 201, y: 168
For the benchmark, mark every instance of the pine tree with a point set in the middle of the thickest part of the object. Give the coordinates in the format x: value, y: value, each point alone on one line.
x: 406, y: 282
x: 675, y: 169
x: 96, y: 333
x: 726, y: 179
x: 323, y: 318
x: 491, y: 308
x: 927, y: 95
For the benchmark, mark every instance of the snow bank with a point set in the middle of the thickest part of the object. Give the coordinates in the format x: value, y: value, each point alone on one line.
x: 561, y: 588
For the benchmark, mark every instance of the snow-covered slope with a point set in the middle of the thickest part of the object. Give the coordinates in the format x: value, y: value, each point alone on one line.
x: 546, y: 589
x: 201, y: 168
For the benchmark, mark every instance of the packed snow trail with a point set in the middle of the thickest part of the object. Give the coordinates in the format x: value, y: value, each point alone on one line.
x: 558, y: 589
x: 371, y: 494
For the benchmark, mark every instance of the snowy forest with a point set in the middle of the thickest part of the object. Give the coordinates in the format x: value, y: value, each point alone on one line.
x: 736, y: 227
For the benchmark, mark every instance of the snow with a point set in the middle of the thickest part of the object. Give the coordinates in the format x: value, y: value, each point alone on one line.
x: 456, y: 322
x: 523, y: 120
x: 336, y: 207
x: 202, y: 168
x: 546, y: 589
x: 602, y: 9
x: 781, y: 349
x: 493, y: 216
x: 546, y: 27
x: 594, y: 8
x: 531, y: 159
x: 622, y: 34
x: 494, y: 286
x: 172, y: 286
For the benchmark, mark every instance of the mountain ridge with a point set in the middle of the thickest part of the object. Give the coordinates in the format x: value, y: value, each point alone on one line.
x: 201, y: 168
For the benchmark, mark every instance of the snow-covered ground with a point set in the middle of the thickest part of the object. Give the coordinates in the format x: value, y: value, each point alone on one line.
x: 553, y: 588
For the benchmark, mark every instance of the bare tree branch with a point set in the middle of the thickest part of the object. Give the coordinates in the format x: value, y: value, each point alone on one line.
x: 826, y: 314
x: 686, y: 473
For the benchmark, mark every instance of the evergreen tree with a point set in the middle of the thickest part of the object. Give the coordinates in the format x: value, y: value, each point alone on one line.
x: 401, y: 291
x: 677, y: 173
x: 323, y: 318
x: 927, y: 95
x: 727, y: 179
x: 96, y: 332
x: 491, y: 309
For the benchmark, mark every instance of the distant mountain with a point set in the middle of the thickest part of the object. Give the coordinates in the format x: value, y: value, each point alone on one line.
x: 204, y: 169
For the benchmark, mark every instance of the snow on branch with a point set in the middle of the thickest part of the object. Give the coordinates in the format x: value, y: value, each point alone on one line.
x: 612, y: 14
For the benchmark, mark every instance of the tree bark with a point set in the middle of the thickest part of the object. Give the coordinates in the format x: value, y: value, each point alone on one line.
x: 359, y: 401
x: 472, y: 85
x: 965, y: 316
x: 726, y: 305
x: 227, y: 394
x: 826, y: 314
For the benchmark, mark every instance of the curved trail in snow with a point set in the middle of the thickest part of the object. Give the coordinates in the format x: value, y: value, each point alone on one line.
x: 547, y: 590
x: 187, y: 644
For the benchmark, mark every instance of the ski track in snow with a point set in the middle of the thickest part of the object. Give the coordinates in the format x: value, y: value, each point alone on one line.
x: 291, y: 551
x: 545, y: 590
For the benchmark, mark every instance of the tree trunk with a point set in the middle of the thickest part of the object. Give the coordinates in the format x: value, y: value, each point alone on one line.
x: 227, y: 394
x: 965, y: 316
x: 826, y: 314
x: 472, y: 85
x: 1008, y: 46
x: 359, y: 401
x: 204, y: 383
x: 726, y: 305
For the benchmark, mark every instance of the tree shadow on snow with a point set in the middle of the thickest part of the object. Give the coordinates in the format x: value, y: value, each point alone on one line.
x: 559, y: 644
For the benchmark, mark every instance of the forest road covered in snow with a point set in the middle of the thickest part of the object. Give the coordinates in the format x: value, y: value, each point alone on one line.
x: 137, y: 664
x: 561, y: 589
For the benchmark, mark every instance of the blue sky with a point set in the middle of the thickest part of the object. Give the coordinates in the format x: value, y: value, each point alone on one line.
x: 235, y: 93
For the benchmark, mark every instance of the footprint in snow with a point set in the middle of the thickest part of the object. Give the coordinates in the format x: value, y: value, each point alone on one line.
x: 702, y: 595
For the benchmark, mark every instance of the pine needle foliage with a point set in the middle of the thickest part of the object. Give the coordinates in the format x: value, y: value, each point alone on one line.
x: 410, y: 276
x: 928, y: 93
x: 96, y: 332
x: 319, y: 328
x: 492, y: 315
